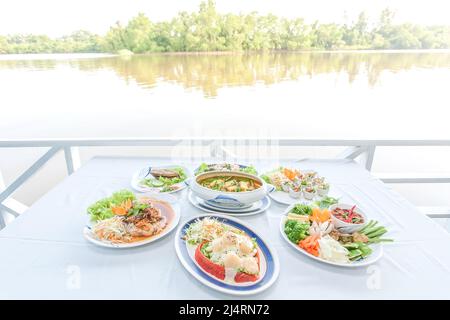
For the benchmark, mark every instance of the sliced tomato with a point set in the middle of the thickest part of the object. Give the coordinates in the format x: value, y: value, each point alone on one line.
x: 212, y: 268
x: 246, y: 277
x: 219, y: 271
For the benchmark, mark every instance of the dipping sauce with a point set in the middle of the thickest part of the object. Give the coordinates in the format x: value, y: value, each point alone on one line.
x: 348, y: 215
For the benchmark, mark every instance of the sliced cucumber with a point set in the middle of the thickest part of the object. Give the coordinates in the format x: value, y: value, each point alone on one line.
x: 153, y: 183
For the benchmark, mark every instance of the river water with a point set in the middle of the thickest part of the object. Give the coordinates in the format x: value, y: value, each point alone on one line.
x: 330, y: 95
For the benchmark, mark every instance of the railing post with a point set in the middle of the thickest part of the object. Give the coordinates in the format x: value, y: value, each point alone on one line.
x: 28, y: 173
x: 367, y: 157
x: 2, y: 212
x: 351, y: 152
x: 214, y: 149
x: 73, y: 160
x: 366, y: 153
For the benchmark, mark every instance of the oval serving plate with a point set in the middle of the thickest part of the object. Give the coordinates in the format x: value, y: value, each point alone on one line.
x: 269, y: 263
x: 171, y: 210
x: 139, y: 175
x: 284, y: 197
x: 374, y: 257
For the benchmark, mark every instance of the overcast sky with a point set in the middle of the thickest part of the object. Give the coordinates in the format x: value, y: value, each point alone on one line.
x: 57, y: 17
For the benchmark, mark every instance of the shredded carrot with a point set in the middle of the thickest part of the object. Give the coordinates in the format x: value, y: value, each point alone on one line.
x: 123, y: 208
x: 310, y: 244
x: 290, y: 174
x: 320, y: 215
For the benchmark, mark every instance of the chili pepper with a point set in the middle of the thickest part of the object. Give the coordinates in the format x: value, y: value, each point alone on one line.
x: 351, y: 214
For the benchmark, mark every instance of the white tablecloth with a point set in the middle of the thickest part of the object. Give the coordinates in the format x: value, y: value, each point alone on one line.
x: 44, y: 255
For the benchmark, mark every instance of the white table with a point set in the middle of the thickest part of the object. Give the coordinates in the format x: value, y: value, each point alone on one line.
x: 44, y: 255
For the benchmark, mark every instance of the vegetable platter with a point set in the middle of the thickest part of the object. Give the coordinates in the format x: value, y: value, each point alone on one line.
x: 323, y: 234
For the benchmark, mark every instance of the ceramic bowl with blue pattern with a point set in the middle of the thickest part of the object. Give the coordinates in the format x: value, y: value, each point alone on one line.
x: 226, y: 199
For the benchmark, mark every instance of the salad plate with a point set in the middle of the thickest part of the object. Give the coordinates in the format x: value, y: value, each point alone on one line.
x: 125, y: 221
x: 256, y: 208
x: 226, y: 255
x: 313, y: 232
x: 161, y: 179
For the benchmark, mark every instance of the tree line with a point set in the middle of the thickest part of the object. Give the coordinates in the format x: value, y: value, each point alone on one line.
x: 208, y: 30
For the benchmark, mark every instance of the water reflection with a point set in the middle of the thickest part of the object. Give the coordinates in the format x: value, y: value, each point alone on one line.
x: 209, y: 73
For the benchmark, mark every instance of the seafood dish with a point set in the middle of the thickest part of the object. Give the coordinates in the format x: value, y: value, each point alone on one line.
x: 165, y: 179
x: 204, y: 167
x: 226, y: 255
x: 122, y: 218
x: 230, y: 183
x: 223, y: 251
x: 313, y: 231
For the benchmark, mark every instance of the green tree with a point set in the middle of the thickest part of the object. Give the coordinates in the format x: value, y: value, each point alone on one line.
x: 3, y: 45
x: 327, y: 36
x: 115, y: 39
x: 208, y: 30
x: 295, y: 34
x: 138, y: 34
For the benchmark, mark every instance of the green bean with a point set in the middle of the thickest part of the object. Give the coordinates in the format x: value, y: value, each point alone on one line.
x: 367, y: 226
x: 369, y: 231
x: 376, y: 233
x: 378, y: 240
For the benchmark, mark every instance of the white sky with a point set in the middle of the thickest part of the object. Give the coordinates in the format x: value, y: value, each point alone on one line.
x: 57, y: 17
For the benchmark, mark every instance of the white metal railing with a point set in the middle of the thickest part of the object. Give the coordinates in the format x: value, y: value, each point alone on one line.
x: 364, y: 150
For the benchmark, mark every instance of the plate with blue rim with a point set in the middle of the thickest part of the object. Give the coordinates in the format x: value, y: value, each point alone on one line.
x: 242, y: 167
x: 144, y: 173
x: 269, y: 263
x: 256, y: 208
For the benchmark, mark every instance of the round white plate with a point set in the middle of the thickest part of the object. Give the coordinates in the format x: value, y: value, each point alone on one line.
x: 377, y: 252
x: 260, y: 207
x: 270, y: 265
x: 138, y: 176
x: 89, y: 236
x: 284, y: 198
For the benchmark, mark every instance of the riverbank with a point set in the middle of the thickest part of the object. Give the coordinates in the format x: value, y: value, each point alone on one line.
x: 88, y: 55
x: 228, y: 52
x: 54, y: 56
